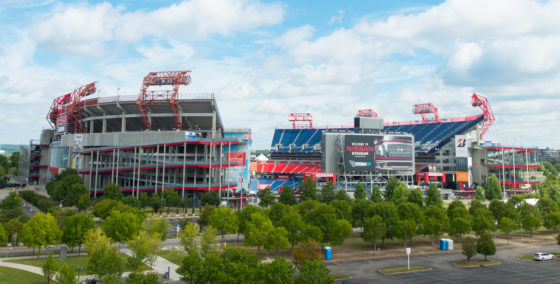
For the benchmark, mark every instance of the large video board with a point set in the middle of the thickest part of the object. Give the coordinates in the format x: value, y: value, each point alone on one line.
x: 359, y: 153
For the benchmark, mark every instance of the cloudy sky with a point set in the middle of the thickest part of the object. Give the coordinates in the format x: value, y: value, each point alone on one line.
x: 264, y: 60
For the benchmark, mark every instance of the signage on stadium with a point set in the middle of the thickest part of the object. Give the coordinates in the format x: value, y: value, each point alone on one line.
x: 462, y: 176
x: 359, y: 153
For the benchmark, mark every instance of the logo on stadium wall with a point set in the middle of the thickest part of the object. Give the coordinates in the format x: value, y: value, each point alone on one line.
x: 354, y: 164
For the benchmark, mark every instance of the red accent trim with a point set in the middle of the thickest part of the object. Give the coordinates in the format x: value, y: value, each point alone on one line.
x: 511, y: 166
x: 161, y: 167
x: 175, y: 188
x: 387, y: 158
x: 444, y: 120
x: 35, y: 155
x: 513, y: 148
x: 33, y: 176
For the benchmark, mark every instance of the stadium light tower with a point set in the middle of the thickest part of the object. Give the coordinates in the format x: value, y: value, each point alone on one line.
x: 301, y: 117
x: 367, y: 113
x: 482, y: 102
x: 424, y: 109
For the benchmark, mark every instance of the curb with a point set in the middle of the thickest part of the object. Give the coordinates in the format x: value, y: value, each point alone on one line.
x: 478, y: 265
x: 405, y: 272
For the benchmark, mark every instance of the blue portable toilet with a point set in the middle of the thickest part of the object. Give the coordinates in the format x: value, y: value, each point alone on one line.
x: 443, y: 244
x: 327, y: 251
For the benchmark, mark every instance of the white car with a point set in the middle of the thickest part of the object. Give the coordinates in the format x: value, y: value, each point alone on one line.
x: 543, y: 256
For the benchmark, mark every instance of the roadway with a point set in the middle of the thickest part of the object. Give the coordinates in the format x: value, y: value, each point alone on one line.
x: 512, y: 270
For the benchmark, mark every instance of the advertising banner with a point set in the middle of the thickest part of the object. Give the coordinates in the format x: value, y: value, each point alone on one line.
x: 359, y: 153
x: 462, y: 176
x: 238, y: 157
x: 461, y: 147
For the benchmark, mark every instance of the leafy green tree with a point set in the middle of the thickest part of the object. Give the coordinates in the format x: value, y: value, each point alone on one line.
x: 103, y: 259
x: 306, y: 252
x: 258, y: 230
x: 410, y: 211
x: 144, y: 199
x: 112, y: 191
x: 327, y: 193
x: 392, y: 184
x: 73, y: 195
x: 83, y: 202
x: 308, y: 190
x: 483, y: 220
x: 191, y: 267
x: 341, y: 231
x: 287, y: 196
x: 75, y: 229
x: 224, y: 220
x: 266, y: 197
x: 552, y: 221
x: 49, y: 268
x: 501, y: 209
x: 324, y: 217
x: 39, y: 231
x: 156, y: 203
x: 406, y: 229
x: 400, y: 194
x: 433, y: 196
x: 208, y: 240
x: 10, y: 207
x: 210, y: 197
x: 485, y: 245
x: 376, y: 195
x: 244, y: 217
x: 144, y: 247
x: 475, y: 205
x: 293, y: 223
x: 531, y: 223
x: 171, y: 198
x: 547, y: 205
x: 3, y: 235
x: 13, y: 227
x: 492, y: 189
x: 66, y: 275
x: 343, y: 209
x: 469, y: 247
x: 205, y: 213
x: 457, y: 209
x: 360, y: 192
x: 507, y: 225
x: 276, y: 239
x: 277, y: 211
x: 415, y: 196
x: 314, y: 271
x: 131, y: 201
x: 103, y: 208
x: 342, y: 195
x: 434, y: 222
x: 188, y: 237
x: 528, y: 209
x: 158, y: 226
x: 374, y: 230
x: 138, y: 277
x: 121, y: 227
x: 360, y: 211
x: 277, y: 271
x: 458, y: 227
x: 60, y: 188
x: 479, y: 194
x: 311, y: 232
x: 387, y: 211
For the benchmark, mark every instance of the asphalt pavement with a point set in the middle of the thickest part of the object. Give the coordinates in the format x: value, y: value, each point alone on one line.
x: 512, y: 270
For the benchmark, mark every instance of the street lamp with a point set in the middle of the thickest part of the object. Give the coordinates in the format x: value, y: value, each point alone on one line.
x: 79, y: 268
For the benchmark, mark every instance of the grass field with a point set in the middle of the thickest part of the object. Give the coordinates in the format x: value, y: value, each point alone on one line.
x: 476, y: 263
x: 175, y: 256
x: 402, y: 269
x: 16, y: 276
x: 72, y: 261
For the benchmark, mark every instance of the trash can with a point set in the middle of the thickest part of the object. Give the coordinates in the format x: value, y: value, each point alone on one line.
x: 327, y: 251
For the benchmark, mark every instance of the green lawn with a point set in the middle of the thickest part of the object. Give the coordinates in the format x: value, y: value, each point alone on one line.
x: 176, y: 256
x: 402, y: 269
x: 16, y: 276
x: 476, y: 263
x: 72, y: 261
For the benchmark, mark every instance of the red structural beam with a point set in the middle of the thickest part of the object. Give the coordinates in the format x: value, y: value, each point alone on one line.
x: 224, y: 165
x: 513, y: 148
x: 482, y: 102
x: 175, y: 188
x: 424, y: 109
x: 443, y: 120
x: 511, y: 166
x: 301, y: 117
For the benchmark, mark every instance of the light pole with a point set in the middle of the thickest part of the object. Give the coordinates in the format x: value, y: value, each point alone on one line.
x: 79, y: 268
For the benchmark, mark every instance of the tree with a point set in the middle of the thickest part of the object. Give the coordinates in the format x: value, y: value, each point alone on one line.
x: 507, y: 225
x: 277, y: 211
x: 530, y: 223
x: 469, y: 247
x: 138, y: 277
x: 360, y: 210
x: 342, y: 195
x: 343, y: 208
x: 374, y: 229
x: 406, y: 229
x: 327, y: 193
x: 434, y: 222
x: 49, y: 268
x: 10, y: 207
x: 244, y: 217
x: 360, y: 192
x: 75, y: 229
x: 485, y: 245
x: 324, y: 217
x: 277, y: 271
x: 479, y: 194
x: 457, y: 209
x: 112, y: 191
x: 266, y: 197
x: 171, y: 198
x: 410, y: 211
x: 144, y: 199
x: 144, y: 247
x: 547, y: 205
x: 155, y: 202
x: 224, y: 220
x: 258, y: 230
x: 188, y: 236
x: 158, y: 226
x: 66, y: 275
x: 308, y: 190
x: 287, y: 196
x: 483, y: 220
x: 415, y: 196
x: 62, y: 187
x: 400, y: 194
x: 208, y: 240
x: 387, y: 211
x: 306, y: 252
x: 392, y: 184
x: 103, y: 259
x: 276, y: 239
x: 210, y: 197
x: 314, y: 271
x: 376, y: 195
x: 39, y: 231
x: 293, y: 223
x: 121, y: 227
x: 191, y: 266
x: 131, y: 201
x: 83, y: 202
x: 3, y: 235
x: 458, y: 227
x: 13, y: 227
x: 433, y: 196
x: 341, y: 231
x: 73, y: 195
x: 492, y: 189
x: 552, y: 221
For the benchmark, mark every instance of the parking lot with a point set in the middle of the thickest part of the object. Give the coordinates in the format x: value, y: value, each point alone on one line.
x: 512, y: 270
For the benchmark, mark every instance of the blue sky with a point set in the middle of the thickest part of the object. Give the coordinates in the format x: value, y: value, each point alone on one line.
x: 266, y: 59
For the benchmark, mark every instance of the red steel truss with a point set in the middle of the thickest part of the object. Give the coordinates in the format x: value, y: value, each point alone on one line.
x: 58, y: 107
x: 423, y: 109
x: 71, y: 105
x: 171, y: 97
x: 482, y: 102
x: 298, y: 117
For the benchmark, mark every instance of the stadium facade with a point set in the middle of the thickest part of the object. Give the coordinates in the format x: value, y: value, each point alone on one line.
x: 158, y: 140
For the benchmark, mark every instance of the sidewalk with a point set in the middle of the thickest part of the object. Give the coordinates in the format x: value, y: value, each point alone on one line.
x: 28, y: 268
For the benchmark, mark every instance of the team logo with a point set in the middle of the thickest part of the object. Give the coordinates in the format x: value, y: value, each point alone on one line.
x: 354, y: 164
x: 461, y: 142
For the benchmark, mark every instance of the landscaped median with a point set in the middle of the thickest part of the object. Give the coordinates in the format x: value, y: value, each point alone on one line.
x: 404, y: 269
x: 477, y: 263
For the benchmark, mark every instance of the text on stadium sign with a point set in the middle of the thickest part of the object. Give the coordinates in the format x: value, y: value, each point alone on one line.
x: 360, y: 148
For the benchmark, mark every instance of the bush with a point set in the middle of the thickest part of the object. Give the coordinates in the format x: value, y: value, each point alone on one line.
x: 41, y: 202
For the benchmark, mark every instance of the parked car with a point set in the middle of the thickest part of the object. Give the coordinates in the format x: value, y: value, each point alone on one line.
x: 543, y: 256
